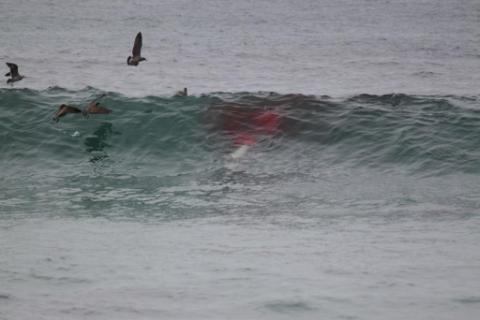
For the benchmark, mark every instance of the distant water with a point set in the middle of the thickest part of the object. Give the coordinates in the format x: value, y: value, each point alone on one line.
x: 339, y: 47
x: 356, y: 197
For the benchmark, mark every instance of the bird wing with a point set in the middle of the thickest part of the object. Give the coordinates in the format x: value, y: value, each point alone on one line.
x: 60, y: 112
x: 71, y: 109
x: 63, y: 110
x: 13, y: 69
x: 95, y: 108
x: 100, y: 110
x: 90, y: 106
x: 137, y: 46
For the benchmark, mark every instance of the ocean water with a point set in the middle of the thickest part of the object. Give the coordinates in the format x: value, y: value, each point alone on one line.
x: 325, y: 165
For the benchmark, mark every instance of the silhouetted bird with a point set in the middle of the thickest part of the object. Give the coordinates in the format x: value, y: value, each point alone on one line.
x: 13, y: 74
x: 136, y: 56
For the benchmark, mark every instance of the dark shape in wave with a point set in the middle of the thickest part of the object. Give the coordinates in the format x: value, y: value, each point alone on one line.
x: 437, y: 134
x: 92, y: 108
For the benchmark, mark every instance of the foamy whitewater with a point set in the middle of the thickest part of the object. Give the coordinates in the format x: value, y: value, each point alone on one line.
x: 324, y: 166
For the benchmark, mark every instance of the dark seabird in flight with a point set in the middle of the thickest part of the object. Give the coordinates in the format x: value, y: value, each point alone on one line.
x: 64, y: 110
x: 182, y: 93
x: 136, y: 56
x: 92, y: 108
x: 13, y: 74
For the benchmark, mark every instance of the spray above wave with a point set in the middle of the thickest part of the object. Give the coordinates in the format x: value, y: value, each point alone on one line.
x: 426, y: 133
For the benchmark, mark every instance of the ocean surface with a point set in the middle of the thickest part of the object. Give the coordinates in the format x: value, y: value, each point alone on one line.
x: 326, y: 164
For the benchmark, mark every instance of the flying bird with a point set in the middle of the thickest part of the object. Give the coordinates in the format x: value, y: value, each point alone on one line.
x: 13, y: 74
x: 92, y: 108
x: 136, y: 56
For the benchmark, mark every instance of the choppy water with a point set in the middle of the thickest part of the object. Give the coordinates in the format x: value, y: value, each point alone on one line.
x: 317, y: 47
x: 352, y: 202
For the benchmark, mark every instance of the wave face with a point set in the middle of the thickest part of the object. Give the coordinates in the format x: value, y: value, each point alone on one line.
x: 174, y: 152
